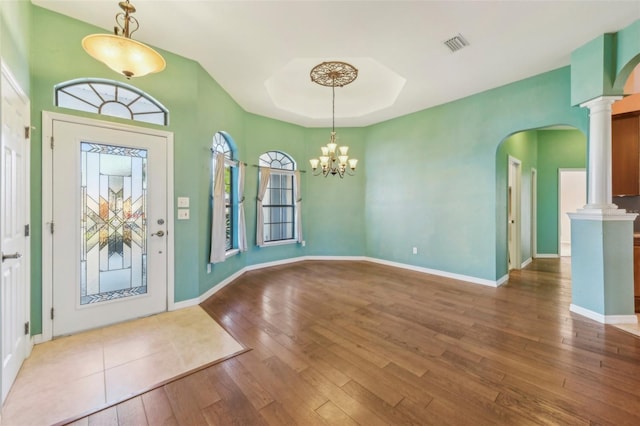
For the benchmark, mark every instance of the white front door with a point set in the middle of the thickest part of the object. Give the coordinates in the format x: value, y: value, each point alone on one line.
x: 109, y: 221
x: 14, y: 211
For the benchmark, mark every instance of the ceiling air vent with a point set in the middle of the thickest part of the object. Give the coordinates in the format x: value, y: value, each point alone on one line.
x: 456, y: 43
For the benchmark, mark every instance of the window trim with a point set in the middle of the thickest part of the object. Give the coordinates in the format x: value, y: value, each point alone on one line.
x: 287, y: 172
x: 229, y: 160
x: 59, y: 88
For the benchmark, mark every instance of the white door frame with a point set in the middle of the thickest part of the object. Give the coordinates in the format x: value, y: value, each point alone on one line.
x: 534, y: 212
x: 26, y: 255
x: 47, y: 208
x: 516, y: 206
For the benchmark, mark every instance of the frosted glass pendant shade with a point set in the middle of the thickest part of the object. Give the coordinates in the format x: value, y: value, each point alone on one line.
x: 123, y: 55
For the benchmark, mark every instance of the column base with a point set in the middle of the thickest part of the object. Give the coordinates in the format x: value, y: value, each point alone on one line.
x: 602, y: 264
x: 604, y: 319
x: 602, y: 212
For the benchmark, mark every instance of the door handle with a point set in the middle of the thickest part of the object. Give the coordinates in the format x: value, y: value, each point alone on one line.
x: 15, y: 255
x: 160, y: 233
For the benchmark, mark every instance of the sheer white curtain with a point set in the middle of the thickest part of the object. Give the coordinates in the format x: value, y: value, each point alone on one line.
x: 218, y: 225
x: 265, y: 172
x: 298, y: 198
x: 242, y: 224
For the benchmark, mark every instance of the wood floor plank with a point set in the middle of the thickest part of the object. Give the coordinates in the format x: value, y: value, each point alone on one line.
x: 354, y: 342
x: 184, y: 404
x: 275, y: 415
x: 106, y: 417
x: 255, y: 393
x: 356, y: 411
x: 234, y: 406
x: 334, y: 415
x: 157, y: 407
x: 131, y: 412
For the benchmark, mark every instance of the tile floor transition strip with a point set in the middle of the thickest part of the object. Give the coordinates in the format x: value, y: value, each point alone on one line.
x: 91, y: 370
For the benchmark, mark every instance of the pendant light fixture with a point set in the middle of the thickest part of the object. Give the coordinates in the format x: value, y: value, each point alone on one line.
x: 334, y: 159
x: 119, y: 51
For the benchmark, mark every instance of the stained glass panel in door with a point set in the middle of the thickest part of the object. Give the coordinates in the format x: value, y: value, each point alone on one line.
x: 113, y: 258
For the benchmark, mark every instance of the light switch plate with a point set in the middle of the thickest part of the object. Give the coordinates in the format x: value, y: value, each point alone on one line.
x: 183, y: 201
x: 183, y: 214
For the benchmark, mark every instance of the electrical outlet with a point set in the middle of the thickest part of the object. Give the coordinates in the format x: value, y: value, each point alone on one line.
x: 208, y: 268
x: 304, y: 243
x: 415, y: 250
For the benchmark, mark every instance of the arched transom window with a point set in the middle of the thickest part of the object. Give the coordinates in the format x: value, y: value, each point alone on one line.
x: 112, y: 98
x: 277, y: 160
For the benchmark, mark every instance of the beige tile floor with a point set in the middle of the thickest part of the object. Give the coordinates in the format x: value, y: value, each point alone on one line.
x: 631, y: 328
x: 77, y: 374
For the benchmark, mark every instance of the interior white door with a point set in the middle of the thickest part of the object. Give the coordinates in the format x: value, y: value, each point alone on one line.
x: 513, y: 213
x: 109, y: 225
x: 573, y: 196
x: 13, y: 239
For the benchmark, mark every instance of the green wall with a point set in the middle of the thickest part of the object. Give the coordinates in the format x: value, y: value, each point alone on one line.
x: 602, y: 66
x: 556, y: 149
x: 15, y: 39
x: 431, y: 175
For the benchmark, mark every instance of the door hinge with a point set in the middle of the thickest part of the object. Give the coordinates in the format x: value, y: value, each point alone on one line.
x: 51, y: 313
x: 26, y: 327
x: 27, y: 132
x: 51, y: 142
x: 26, y: 230
x: 51, y: 225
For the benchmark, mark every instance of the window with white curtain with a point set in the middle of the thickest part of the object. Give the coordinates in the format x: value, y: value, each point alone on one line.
x: 221, y: 145
x: 279, y: 201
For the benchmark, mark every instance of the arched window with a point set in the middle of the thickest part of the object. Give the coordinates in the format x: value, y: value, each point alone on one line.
x: 112, y: 98
x: 280, y: 199
x: 222, y: 144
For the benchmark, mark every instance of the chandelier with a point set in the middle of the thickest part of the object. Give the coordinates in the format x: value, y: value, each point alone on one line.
x: 119, y: 51
x: 334, y: 159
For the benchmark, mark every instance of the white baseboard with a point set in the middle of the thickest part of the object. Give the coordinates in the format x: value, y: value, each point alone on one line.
x: 604, y: 319
x: 222, y: 284
x: 547, y: 256
x: 197, y: 300
x: 474, y: 280
x: 526, y: 262
x: 502, y: 280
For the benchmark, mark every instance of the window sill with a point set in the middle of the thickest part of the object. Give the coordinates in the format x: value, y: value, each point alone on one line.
x: 280, y: 243
x: 231, y: 253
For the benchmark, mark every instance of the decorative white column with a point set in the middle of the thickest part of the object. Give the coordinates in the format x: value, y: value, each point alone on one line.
x: 602, y: 234
x: 599, y: 193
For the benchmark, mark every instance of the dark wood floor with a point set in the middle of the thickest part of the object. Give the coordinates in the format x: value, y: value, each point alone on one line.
x: 360, y: 343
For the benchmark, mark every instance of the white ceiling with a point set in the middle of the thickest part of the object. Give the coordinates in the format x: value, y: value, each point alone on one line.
x: 261, y: 52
